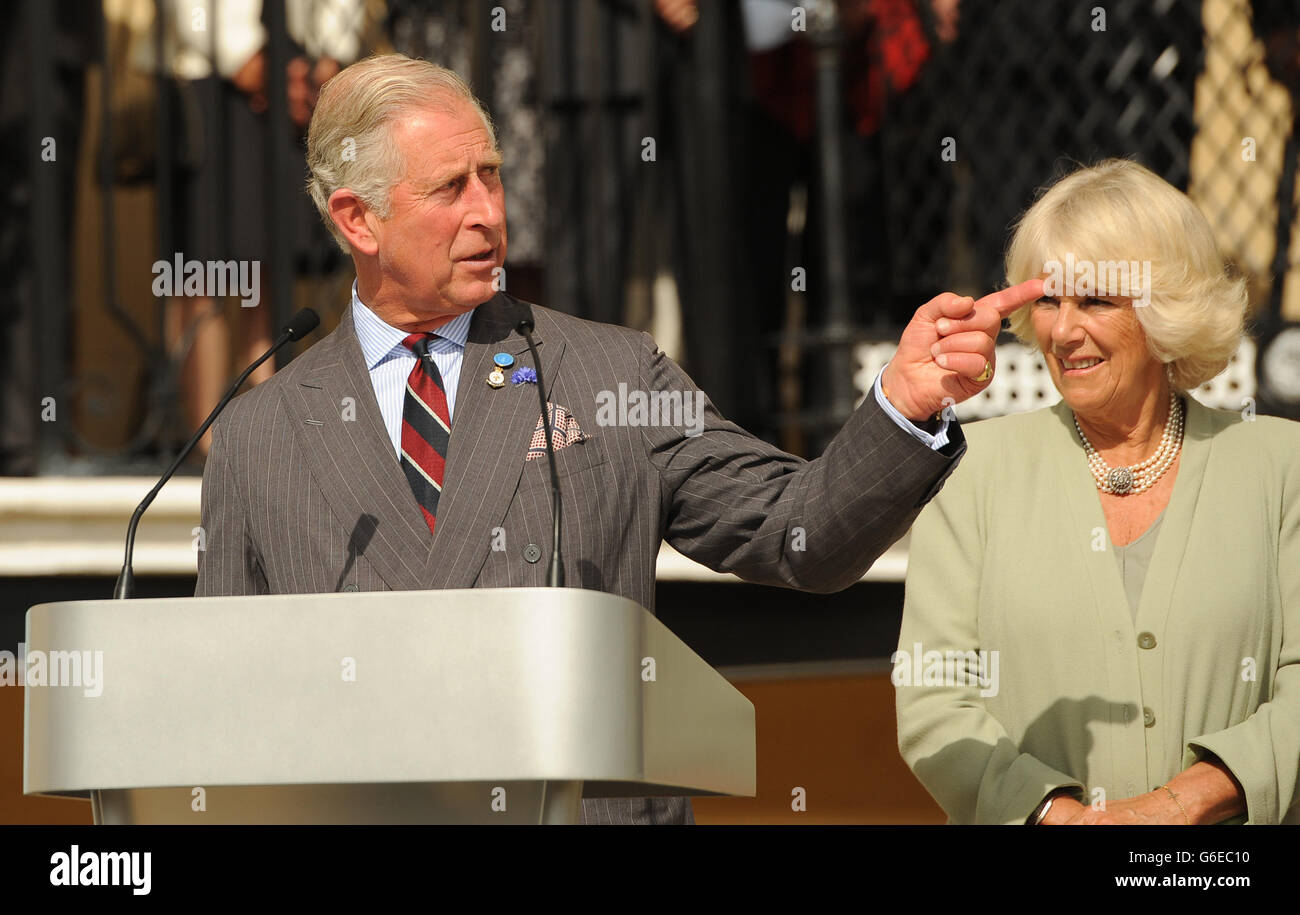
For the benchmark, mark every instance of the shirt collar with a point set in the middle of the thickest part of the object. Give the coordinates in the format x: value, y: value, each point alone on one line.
x: 379, y: 339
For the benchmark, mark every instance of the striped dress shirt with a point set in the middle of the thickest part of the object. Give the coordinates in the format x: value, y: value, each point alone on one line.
x: 389, y: 362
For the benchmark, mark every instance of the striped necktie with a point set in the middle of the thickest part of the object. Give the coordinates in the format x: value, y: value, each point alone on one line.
x: 426, y: 428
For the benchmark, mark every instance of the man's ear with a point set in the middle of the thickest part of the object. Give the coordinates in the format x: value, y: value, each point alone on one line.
x: 350, y: 214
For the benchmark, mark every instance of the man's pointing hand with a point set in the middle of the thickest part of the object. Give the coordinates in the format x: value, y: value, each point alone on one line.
x: 944, y: 349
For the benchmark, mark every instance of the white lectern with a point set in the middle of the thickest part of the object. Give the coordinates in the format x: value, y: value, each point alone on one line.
x: 477, y: 706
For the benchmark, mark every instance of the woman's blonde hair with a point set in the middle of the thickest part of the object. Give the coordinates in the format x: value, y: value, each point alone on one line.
x: 350, y: 143
x: 1119, y: 211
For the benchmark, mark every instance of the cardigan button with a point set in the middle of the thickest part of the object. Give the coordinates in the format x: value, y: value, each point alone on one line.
x: 1146, y: 640
x: 1148, y: 716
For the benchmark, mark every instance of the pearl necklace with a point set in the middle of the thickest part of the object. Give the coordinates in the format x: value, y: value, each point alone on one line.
x: 1123, y: 481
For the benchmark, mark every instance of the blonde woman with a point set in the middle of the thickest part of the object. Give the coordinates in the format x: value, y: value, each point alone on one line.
x: 1132, y: 557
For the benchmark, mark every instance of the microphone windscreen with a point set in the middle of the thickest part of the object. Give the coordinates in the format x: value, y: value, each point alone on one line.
x: 303, y: 323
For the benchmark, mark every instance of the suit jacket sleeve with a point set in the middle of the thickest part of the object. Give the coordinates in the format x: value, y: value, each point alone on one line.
x: 738, y: 504
x: 228, y: 561
x: 1263, y: 752
x: 958, y: 750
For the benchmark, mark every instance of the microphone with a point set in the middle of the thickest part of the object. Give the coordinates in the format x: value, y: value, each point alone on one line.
x: 525, y: 329
x: 303, y: 323
x: 299, y: 326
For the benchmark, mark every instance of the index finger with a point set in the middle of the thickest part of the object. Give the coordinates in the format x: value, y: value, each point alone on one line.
x: 1005, y: 301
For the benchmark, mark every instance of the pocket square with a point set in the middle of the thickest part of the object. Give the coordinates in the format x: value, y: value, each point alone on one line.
x: 565, y: 432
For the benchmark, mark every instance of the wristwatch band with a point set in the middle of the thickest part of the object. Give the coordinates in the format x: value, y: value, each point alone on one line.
x: 1040, y: 814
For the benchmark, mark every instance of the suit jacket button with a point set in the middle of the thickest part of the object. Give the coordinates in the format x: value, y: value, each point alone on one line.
x: 1148, y: 716
x: 532, y: 552
x: 350, y: 587
x: 1146, y: 640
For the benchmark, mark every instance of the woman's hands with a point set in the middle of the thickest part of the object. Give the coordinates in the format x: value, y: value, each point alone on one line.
x: 1204, y: 792
x: 1144, y: 810
x: 1155, y: 808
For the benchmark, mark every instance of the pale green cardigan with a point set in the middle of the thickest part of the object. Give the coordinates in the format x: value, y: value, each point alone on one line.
x: 1013, y: 555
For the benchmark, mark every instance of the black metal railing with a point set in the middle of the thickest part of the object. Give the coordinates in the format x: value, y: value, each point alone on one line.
x: 915, y: 199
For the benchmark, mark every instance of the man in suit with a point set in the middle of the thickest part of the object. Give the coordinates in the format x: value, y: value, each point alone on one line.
x: 391, y: 456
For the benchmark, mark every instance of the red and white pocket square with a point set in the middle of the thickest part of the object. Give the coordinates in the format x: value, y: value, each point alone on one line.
x: 565, y: 432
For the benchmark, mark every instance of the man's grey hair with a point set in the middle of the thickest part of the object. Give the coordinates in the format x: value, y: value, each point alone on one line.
x: 350, y: 142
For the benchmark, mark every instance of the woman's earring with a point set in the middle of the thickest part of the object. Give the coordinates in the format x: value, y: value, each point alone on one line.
x: 1169, y: 373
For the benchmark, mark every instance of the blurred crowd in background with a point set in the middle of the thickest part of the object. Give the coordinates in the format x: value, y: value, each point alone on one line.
x: 761, y: 184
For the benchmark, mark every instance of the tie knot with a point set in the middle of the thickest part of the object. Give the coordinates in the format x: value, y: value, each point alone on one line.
x: 418, y: 344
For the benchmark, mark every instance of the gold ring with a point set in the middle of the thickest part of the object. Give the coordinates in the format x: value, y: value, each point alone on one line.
x: 986, y: 374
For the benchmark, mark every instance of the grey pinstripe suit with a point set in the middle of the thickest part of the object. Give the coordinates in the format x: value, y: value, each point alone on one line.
x: 297, y: 498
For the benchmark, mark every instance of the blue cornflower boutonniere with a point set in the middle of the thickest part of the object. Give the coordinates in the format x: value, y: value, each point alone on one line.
x: 524, y: 375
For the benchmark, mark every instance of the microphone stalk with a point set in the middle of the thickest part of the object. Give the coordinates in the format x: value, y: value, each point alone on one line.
x: 556, y: 573
x: 303, y: 323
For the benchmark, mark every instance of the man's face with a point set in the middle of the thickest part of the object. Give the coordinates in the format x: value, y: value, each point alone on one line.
x: 446, y: 232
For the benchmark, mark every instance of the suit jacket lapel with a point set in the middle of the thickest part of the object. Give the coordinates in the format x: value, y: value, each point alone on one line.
x: 352, y: 458
x: 490, y: 431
